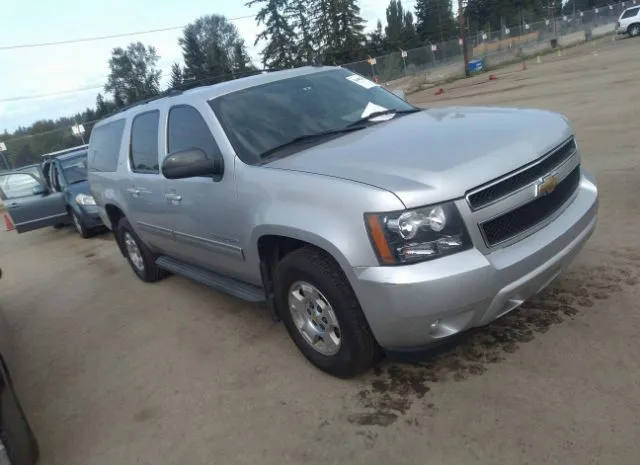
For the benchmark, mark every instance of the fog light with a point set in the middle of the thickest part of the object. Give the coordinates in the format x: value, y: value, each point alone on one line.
x: 434, y: 326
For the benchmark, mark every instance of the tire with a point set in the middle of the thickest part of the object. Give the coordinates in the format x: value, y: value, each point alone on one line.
x: 634, y: 30
x: 80, y: 227
x: 143, y: 263
x: 357, y: 350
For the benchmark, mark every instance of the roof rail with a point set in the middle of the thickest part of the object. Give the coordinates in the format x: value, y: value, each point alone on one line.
x: 167, y: 93
x: 65, y: 151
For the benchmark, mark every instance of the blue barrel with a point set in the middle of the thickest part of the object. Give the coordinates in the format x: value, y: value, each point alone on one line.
x: 476, y: 66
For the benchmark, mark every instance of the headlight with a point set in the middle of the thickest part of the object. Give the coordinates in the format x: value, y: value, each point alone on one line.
x: 417, y: 235
x: 84, y: 199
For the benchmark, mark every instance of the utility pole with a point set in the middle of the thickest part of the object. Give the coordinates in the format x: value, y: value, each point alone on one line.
x: 463, y: 36
x: 552, y: 7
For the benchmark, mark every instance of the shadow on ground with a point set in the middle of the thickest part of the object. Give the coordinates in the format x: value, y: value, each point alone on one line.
x: 396, y: 384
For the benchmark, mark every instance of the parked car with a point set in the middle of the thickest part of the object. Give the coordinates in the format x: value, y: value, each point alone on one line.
x: 18, y: 444
x: 629, y: 22
x: 364, y: 222
x: 33, y: 169
x: 58, y: 194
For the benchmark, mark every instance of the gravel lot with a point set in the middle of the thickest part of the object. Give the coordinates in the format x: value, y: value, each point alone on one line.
x: 115, y: 371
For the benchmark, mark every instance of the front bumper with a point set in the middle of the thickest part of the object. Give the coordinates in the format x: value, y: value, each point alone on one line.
x: 90, y: 217
x: 470, y: 288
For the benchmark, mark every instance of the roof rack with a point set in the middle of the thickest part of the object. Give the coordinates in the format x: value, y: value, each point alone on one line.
x: 186, y: 87
x: 65, y: 151
x: 167, y: 93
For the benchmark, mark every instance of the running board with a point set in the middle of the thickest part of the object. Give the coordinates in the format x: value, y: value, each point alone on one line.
x: 218, y: 282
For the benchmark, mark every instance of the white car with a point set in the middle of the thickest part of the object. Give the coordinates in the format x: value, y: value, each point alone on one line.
x: 629, y: 22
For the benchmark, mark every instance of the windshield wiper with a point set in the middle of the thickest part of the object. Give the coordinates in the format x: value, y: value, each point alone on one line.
x: 376, y: 114
x: 308, y: 138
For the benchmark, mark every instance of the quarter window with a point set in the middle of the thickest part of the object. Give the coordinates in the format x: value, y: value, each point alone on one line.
x: 104, y: 146
x: 144, y: 143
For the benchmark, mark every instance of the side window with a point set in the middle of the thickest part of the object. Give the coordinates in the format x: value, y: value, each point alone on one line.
x: 187, y: 130
x: 17, y: 185
x: 104, y: 146
x: 630, y: 13
x: 144, y: 143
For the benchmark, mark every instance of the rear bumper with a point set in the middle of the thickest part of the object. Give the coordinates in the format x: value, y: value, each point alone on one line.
x: 402, y: 304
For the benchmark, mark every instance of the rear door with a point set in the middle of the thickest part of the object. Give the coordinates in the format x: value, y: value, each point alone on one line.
x: 144, y: 187
x: 30, y: 204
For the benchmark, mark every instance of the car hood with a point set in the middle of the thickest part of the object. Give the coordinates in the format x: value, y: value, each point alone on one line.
x: 79, y: 188
x: 437, y: 154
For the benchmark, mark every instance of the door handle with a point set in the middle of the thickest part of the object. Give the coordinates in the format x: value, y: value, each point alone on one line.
x: 133, y: 191
x: 173, y: 197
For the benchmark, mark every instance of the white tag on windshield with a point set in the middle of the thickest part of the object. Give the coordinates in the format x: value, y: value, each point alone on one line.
x: 361, y: 81
x: 373, y: 108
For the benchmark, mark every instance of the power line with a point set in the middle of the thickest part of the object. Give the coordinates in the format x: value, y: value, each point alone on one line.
x: 105, y: 37
x: 116, y: 36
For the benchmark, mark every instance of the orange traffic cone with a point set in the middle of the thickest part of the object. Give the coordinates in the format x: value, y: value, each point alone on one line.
x: 492, y: 77
x: 9, y: 226
x: 440, y: 91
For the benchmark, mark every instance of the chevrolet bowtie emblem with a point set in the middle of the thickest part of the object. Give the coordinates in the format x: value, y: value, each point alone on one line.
x: 546, y: 185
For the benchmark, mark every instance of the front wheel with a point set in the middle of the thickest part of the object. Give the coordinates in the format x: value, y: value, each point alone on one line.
x: 80, y: 227
x: 322, y: 314
x: 634, y: 30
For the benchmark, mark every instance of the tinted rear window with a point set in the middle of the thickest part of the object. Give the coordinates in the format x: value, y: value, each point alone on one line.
x: 104, y: 146
x: 144, y: 143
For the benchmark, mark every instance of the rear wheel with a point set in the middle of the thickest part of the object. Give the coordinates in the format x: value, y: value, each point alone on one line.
x: 140, y: 258
x: 322, y: 314
x: 634, y: 30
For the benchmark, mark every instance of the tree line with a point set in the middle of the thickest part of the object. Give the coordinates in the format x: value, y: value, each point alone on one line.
x: 295, y: 33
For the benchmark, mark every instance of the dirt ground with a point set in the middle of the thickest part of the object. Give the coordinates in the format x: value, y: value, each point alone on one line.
x: 115, y: 371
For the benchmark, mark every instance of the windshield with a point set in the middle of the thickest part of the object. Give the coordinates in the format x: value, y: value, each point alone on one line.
x: 258, y: 119
x: 74, y: 169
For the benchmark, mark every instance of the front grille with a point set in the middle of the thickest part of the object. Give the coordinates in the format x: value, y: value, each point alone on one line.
x: 517, y: 221
x: 503, y: 188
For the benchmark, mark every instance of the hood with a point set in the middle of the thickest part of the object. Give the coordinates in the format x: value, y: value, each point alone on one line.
x: 79, y: 188
x: 437, y: 154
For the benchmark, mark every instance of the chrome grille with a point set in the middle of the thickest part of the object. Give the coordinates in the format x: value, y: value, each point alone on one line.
x: 516, y: 222
x: 494, y: 191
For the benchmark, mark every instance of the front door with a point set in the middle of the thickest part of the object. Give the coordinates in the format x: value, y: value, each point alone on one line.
x: 30, y: 204
x: 202, y: 210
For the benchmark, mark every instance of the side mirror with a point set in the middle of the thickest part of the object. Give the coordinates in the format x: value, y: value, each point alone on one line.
x: 192, y: 163
x: 400, y: 93
x: 39, y: 189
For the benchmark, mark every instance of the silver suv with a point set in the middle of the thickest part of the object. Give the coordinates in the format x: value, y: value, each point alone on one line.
x: 364, y: 223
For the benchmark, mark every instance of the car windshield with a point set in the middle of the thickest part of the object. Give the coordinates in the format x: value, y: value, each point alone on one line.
x: 261, y: 118
x: 75, y: 169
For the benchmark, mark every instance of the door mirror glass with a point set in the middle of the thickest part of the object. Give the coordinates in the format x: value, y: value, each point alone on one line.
x: 400, y: 93
x: 192, y: 163
x: 39, y: 189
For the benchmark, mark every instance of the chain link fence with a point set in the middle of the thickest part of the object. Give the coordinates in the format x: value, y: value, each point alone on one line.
x: 491, y: 45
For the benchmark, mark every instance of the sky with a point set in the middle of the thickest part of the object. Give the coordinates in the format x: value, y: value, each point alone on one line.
x: 62, y: 69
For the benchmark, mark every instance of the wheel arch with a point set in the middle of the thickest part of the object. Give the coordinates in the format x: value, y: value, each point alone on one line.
x: 114, y: 215
x: 272, y: 244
